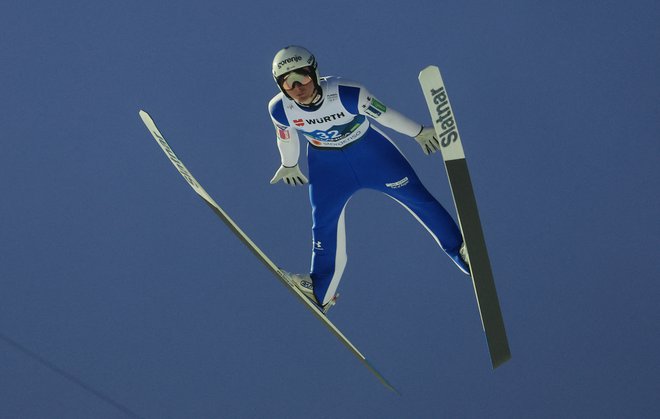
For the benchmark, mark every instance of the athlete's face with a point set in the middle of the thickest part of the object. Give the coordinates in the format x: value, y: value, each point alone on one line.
x: 300, y: 87
x: 303, y: 93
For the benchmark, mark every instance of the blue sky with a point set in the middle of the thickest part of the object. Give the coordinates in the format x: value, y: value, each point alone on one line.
x: 122, y: 294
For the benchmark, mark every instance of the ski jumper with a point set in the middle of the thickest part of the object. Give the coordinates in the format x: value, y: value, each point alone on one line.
x: 346, y: 153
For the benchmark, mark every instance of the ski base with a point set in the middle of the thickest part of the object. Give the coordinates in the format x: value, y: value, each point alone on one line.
x: 467, y: 212
x: 481, y: 272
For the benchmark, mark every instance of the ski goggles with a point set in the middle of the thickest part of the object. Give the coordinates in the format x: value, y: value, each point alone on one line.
x: 289, y: 80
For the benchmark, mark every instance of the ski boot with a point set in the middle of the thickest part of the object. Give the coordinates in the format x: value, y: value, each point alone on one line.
x: 305, y: 285
x: 461, y: 259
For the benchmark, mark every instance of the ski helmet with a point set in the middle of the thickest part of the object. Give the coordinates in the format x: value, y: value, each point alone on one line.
x: 294, y: 58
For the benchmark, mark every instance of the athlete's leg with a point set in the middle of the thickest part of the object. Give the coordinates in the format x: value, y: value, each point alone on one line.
x: 392, y: 174
x: 332, y: 183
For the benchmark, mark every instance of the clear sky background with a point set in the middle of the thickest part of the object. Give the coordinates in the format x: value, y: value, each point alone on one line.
x: 122, y: 294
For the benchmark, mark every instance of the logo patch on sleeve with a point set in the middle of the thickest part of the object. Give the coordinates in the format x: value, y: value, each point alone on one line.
x: 373, y: 107
x: 283, y: 134
x: 376, y: 104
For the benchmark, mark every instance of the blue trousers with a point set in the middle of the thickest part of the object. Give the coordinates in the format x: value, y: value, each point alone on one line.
x: 372, y: 162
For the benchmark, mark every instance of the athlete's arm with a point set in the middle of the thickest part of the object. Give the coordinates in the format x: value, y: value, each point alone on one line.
x: 370, y: 106
x: 288, y: 142
x: 366, y: 104
x: 392, y: 119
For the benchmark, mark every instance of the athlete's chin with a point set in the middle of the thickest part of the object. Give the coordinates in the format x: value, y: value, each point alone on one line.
x: 303, y: 100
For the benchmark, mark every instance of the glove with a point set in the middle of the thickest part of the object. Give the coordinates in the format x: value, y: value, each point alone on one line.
x: 291, y: 175
x: 427, y: 140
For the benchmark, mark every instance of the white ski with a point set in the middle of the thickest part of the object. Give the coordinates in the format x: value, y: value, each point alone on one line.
x: 468, y: 214
x: 253, y: 247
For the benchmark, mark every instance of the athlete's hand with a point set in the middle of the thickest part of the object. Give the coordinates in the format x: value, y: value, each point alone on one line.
x: 428, y: 141
x: 291, y: 175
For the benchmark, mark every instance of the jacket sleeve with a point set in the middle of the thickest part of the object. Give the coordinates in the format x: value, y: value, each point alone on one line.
x: 370, y: 106
x: 288, y: 142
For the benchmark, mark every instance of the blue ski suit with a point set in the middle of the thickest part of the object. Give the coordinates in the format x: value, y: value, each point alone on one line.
x: 346, y: 153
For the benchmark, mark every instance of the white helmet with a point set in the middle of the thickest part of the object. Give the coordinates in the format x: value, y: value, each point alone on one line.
x: 294, y: 58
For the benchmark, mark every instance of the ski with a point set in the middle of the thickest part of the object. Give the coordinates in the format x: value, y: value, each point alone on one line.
x: 178, y: 164
x: 468, y: 214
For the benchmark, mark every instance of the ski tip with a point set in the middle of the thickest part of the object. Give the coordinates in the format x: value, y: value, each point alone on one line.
x: 146, y: 118
x: 428, y: 69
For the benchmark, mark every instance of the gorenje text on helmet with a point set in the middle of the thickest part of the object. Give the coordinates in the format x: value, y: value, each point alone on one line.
x: 289, y: 61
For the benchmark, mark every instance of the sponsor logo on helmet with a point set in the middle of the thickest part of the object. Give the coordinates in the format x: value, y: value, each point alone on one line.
x: 289, y: 61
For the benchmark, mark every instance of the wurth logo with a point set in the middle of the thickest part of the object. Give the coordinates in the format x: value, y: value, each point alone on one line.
x: 328, y: 118
x: 299, y: 122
